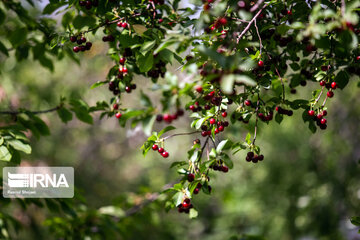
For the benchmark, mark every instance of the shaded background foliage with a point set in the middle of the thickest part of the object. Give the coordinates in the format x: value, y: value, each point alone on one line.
x: 307, y: 188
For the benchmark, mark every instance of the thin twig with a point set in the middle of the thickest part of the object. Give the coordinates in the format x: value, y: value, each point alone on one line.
x: 256, y: 6
x: 32, y: 112
x: 343, y: 7
x: 257, y: 118
x: 250, y: 23
x: 257, y: 31
x: 179, y: 134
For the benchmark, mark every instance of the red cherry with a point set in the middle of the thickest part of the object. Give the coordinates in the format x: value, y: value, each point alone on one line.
x: 119, y: 24
x: 224, y: 169
x: 216, y: 131
x: 319, y: 116
x: 161, y: 150
x: 224, y: 114
x: 247, y: 103
x: 324, y: 113
x: 186, y: 204
x: 289, y: 12
x: 212, y: 121
x: 155, y: 147
x: 196, y: 190
x: 330, y: 94
x: 122, y: 60
x: 358, y: 58
x: 199, y: 89
x: 221, y: 128
x: 323, y: 121
x: 311, y: 112
x: 124, y: 25
x: 212, y: 28
x: 211, y: 94
x: 204, y: 133
x: 333, y: 85
x: 191, y: 177
x: 128, y: 89
x: 192, y: 107
x: 124, y: 70
x: 260, y: 63
x: 167, y: 118
x: 116, y: 106
x: 73, y: 39
x: 118, y: 115
x: 322, y: 83
x: 76, y: 49
x: 160, y: 20
x: 208, y: 133
x: 165, y: 154
x: 222, y: 21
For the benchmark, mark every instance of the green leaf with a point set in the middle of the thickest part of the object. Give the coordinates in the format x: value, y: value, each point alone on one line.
x: 145, y: 63
x: 18, y: 36
x: 228, y: 162
x: 147, y: 46
x: 244, y: 79
x: 278, y: 118
x: 3, y: 49
x: 166, y: 129
x: 145, y: 100
x: 193, y: 213
x: 147, y: 124
x: 97, y: 84
x: 83, y: 21
x: 4, y: 154
x: 178, y: 198
x: 342, y: 79
x: 355, y: 221
x: 20, y: 146
x: 227, y: 83
x: 64, y: 114
x: 224, y: 145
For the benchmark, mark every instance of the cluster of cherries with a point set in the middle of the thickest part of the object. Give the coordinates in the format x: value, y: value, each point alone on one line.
x: 122, y: 24
x: 185, y: 206
x: 80, y: 40
x: 158, y: 71
x: 283, y: 111
x: 168, y: 118
x: 319, y: 118
x: 330, y: 86
x: 220, y: 167
x: 220, y: 126
x: 251, y: 157
x: 89, y: 4
x: 161, y: 150
x: 108, y: 38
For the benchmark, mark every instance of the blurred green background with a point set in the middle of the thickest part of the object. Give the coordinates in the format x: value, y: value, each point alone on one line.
x: 306, y: 188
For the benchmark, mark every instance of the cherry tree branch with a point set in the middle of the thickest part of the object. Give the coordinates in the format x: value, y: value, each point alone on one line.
x: 260, y: 41
x: 256, y: 6
x: 250, y: 23
x: 8, y: 112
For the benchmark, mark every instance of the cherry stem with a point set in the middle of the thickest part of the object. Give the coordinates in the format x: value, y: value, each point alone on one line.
x: 318, y: 98
x: 257, y: 31
x: 256, y: 121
